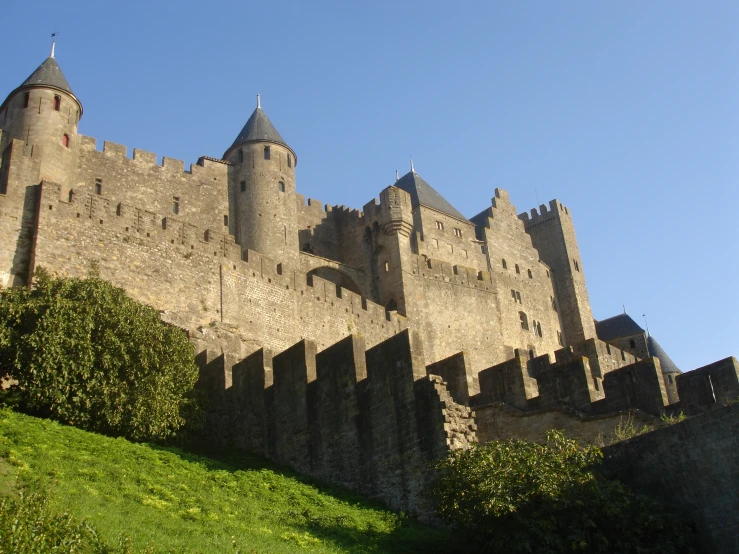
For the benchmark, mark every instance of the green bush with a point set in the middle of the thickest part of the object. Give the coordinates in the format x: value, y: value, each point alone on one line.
x: 84, y: 353
x: 515, y: 496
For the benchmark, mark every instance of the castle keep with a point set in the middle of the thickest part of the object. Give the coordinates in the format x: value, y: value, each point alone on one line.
x: 355, y: 345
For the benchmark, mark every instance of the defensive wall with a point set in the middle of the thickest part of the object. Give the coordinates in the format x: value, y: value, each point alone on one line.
x: 369, y: 420
x: 693, y: 466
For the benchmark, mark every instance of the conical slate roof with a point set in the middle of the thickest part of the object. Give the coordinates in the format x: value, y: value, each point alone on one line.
x: 424, y: 194
x: 48, y: 74
x: 668, y: 366
x: 616, y: 327
x: 259, y: 128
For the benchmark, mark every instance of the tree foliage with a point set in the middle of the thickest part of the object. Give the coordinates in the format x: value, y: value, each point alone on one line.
x: 86, y: 354
x: 516, y: 496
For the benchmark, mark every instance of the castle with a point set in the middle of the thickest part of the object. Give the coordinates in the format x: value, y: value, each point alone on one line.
x: 473, y: 329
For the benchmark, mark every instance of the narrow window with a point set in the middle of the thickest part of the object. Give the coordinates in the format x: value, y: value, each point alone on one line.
x: 5, y: 170
x: 632, y: 344
x: 289, y: 160
x: 266, y: 152
x: 439, y: 225
x: 282, y: 186
x: 547, y: 274
x: 241, y: 155
x: 554, y: 304
x: 65, y: 141
x: 518, y: 270
x: 518, y: 297
x: 243, y: 186
x: 225, y: 220
x: 577, y: 267
x: 464, y: 252
x: 595, y: 383
x: 458, y: 232
x: 559, y: 338
x: 532, y: 355
x: 538, y: 329
x: 531, y: 275
x: 608, y: 348
x: 26, y: 99
x: 176, y: 205
x: 57, y: 103
x: 505, y: 264
x: 623, y: 356
x: 387, y: 266
x: 524, y: 321
x: 513, y: 294
x: 71, y: 197
x: 669, y: 376
x: 98, y: 186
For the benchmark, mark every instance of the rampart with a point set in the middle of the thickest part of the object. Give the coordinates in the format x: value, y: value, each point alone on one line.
x: 370, y: 420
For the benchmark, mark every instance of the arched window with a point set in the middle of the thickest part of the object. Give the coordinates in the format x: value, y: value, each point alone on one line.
x: 518, y: 270
x: 505, y: 264
x: 26, y: 99
x: 57, y: 103
x: 266, y: 152
x: 65, y: 141
x: 531, y: 275
x: 282, y: 186
x: 289, y: 160
x: 524, y: 321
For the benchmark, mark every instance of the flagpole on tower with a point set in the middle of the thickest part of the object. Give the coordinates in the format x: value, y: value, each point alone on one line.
x: 53, y: 44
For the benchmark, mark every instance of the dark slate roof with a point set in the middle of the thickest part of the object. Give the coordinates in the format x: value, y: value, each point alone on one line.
x: 424, y: 194
x: 48, y: 74
x: 668, y: 366
x: 616, y: 327
x: 259, y: 128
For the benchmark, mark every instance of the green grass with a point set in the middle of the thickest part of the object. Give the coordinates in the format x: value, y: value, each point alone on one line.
x: 188, y: 503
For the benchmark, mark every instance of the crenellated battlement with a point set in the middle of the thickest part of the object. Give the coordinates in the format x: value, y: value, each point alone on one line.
x: 344, y: 414
x: 435, y: 269
x: 545, y: 213
x: 143, y: 158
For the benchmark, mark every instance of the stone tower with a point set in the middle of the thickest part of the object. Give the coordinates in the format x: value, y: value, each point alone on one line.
x: 262, y: 190
x: 43, y: 112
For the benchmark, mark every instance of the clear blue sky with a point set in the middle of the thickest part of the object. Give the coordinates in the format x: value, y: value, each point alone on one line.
x: 627, y: 112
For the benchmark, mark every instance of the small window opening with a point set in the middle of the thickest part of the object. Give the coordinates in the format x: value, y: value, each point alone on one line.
x: 387, y: 266
x: 608, y: 348
x: 595, y: 383
x: 266, y: 153
x: 538, y: 329
x: 518, y: 270
x: 282, y: 186
x: 71, y: 196
x: 559, y: 338
x: 439, y: 225
x: 524, y: 321
x: 458, y: 232
x: 623, y: 356
x: 577, y: 267
x: 518, y: 297
x: 225, y: 220
x: 505, y: 264
x: 531, y: 275
x: 176, y: 205
x: 57, y: 103
x: 241, y: 155
x: 26, y: 99
x: 98, y: 186
x: 632, y: 344
x: 548, y: 274
x: 243, y: 186
x: 669, y: 377
x: 289, y: 160
x: 532, y: 354
x: 65, y: 141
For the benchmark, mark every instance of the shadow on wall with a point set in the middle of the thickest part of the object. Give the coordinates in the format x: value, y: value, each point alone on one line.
x: 334, y: 276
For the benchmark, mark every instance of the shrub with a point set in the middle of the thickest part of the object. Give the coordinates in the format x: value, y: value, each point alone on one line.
x: 515, y: 496
x: 84, y: 353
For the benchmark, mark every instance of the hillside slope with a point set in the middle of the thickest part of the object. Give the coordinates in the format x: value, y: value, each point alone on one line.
x: 188, y: 503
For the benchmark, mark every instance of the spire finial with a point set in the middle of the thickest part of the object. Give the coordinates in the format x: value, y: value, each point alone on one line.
x: 53, y: 44
x: 397, y: 178
x: 259, y: 101
x: 412, y: 169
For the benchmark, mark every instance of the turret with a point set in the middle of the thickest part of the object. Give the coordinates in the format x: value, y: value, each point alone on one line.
x: 262, y: 190
x: 43, y: 112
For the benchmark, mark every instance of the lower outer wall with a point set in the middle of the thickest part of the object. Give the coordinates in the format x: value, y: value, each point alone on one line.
x: 694, y: 466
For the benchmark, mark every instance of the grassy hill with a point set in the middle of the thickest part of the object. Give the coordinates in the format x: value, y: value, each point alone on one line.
x: 186, y: 503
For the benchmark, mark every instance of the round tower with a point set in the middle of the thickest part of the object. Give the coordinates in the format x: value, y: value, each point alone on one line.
x: 43, y: 112
x: 262, y: 190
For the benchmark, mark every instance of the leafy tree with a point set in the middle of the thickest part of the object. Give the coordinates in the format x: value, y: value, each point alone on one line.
x: 516, y: 496
x: 86, y: 354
